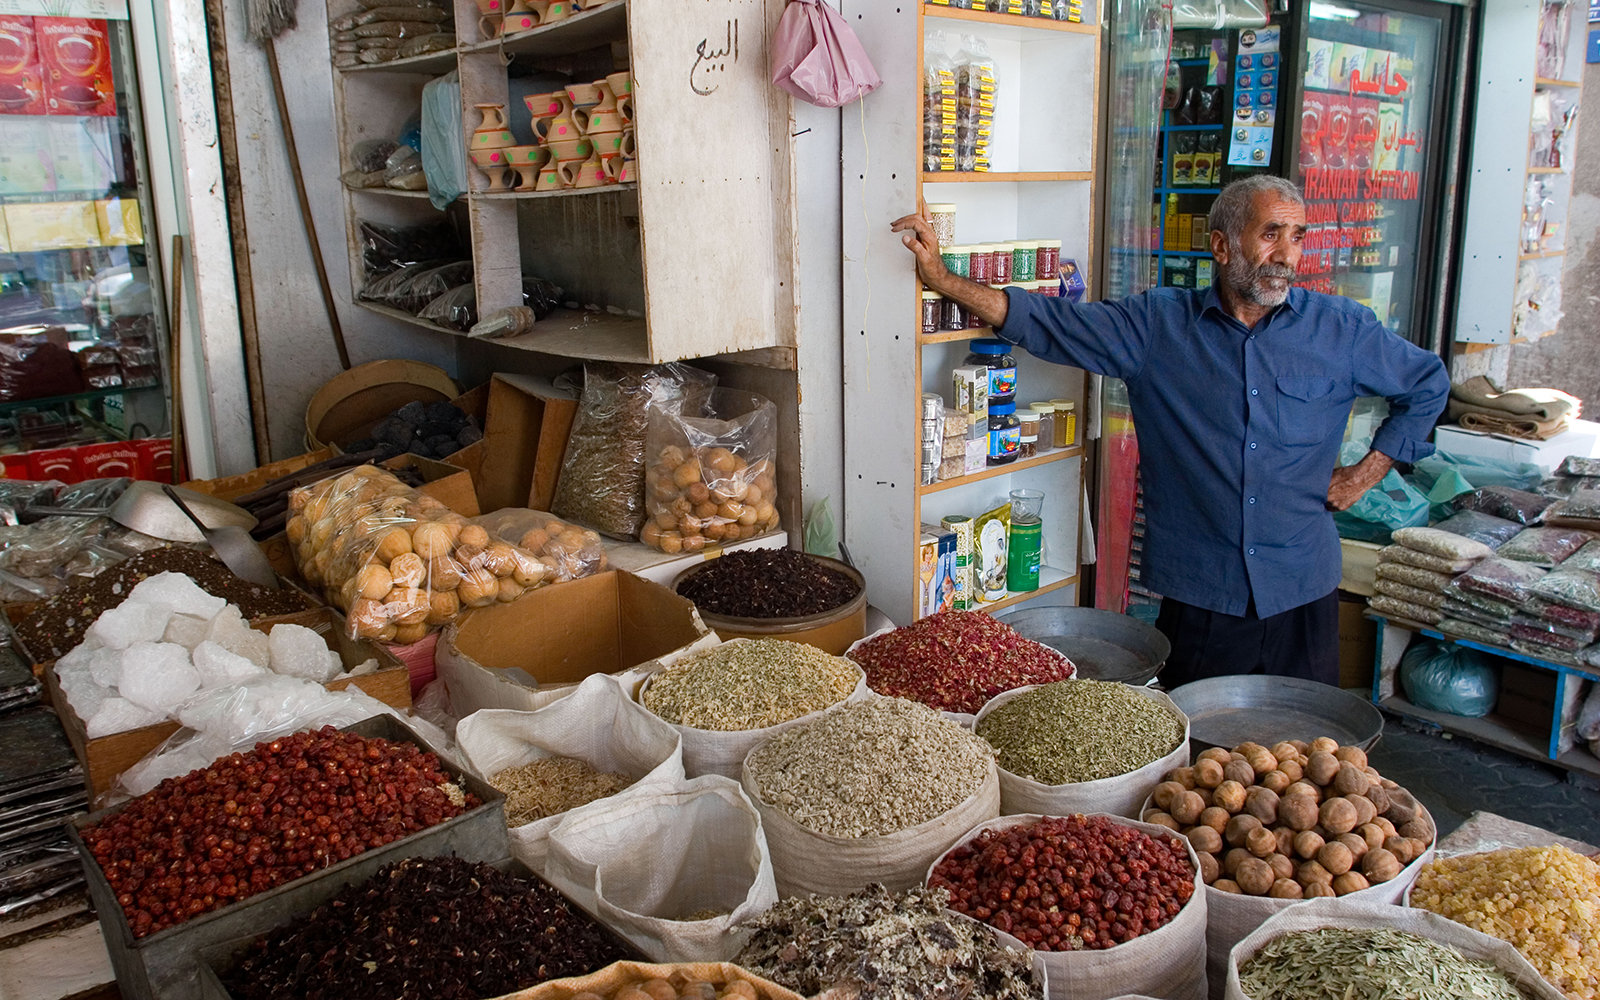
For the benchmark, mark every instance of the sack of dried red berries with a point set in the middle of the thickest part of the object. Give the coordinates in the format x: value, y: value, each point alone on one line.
x: 871, y: 791
x: 1144, y: 929
x: 1081, y: 746
x: 956, y: 661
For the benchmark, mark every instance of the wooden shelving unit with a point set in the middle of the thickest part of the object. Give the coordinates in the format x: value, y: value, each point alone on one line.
x: 1040, y: 186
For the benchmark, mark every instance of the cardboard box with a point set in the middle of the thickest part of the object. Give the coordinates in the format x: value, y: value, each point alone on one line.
x: 506, y: 655
x: 449, y: 484
x: 1582, y: 439
x: 107, y: 461
x: 75, y: 53
x: 658, y: 567
x: 155, y: 459
x: 229, y: 487
x: 526, y: 422
x: 105, y: 757
x: 52, y: 225
x: 1358, y: 644
x: 55, y: 463
x: 22, y: 90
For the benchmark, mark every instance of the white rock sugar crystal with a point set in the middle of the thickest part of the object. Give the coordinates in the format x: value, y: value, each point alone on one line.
x: 218, y: 667
x: 118, y: 715
x: 157, y: 675
x: 298, y: 651
x: 128, y: 623
x: 187, y: 630
x: 105, y: 666
x: 86, y: 699
x: 178, y: 593
x: 230, y: 631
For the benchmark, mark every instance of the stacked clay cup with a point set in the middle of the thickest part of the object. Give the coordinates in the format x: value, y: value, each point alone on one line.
x: 490, y: 143
x: 586, y: 131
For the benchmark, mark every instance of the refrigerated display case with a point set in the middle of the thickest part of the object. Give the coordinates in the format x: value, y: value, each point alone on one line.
x: 83, y: 323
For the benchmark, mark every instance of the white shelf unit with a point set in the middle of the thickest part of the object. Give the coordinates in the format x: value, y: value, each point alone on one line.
x: 1041, y: 187
x: 695, y: 261
x: 1500, y: 168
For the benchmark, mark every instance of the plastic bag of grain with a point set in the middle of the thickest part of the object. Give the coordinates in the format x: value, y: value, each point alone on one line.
x: 1098, y: 737
x: 674, y: 869
x: 871, y: 791
x: 1357, y: 915
x: 727, y: 700
x: 597, y: 724
x: 1168, y: 962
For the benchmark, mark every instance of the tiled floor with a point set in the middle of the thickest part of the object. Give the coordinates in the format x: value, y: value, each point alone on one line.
x: 1455, y: 777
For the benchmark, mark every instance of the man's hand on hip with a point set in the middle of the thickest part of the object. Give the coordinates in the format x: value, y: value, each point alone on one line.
x: 1351, y: 482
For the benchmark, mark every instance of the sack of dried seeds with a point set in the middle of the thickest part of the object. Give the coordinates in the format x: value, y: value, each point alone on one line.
x: 1328, y: 965
x: 725, y: 701
x: 837, y: 818
x: 531, y: 755
x: 1082, y: 746
x: 674, y: 870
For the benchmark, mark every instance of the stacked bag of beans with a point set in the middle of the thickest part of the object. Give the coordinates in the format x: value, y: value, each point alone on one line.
x: 1416, y: 571
x: 382, y: 30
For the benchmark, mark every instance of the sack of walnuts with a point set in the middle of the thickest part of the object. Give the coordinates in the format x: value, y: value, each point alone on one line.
x: 397, y: 562
x: 712, y: 478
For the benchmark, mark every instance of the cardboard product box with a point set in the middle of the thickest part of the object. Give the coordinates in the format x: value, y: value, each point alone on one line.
x: 106, y: 461
x: 155, y: 459
x: 22, y: 90
x: 75, y: 53
x: 1582, y: 439
x: 55, y: 463
x: 167, y: 965
x: 105, y: 757
x: 119, y: 221
x: 507, y: 655
x: 1358, y: 643
x: 526, y: 422
x: 229, y: 487
x: 658, y: 567
x: 51, y: 225
x: 17, y: 465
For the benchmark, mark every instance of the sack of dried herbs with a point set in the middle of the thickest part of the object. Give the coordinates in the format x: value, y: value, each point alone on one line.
x: 1082, y: 746
x: 870, y: 791
x: 672, y: 869
x: 1167, y: 961
x: 598, y: 724
x: 1313, y: 965
x: 727, y: 700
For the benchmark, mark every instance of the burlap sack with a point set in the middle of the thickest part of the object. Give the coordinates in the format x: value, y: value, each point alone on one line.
x: 1119, y: 795
x: 807, y: 861
x: 707, y: 751
x: 597, y: 724
x: 1233, y: 917
x: 1347, y: 912
x: 619, y: 974
x: 1168, y: 962
x: 643, y: 860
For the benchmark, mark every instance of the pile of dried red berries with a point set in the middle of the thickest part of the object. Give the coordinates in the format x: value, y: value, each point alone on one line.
x: 956, y: 661
x: 253, y: 821
x: 1072, y: 882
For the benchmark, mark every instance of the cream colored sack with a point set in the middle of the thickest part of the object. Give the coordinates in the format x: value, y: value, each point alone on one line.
x: 707, y: 751
x: 645, y: 859
x: 1344, y: 912
x: 596, y: 724
x: 1169, y: 962
x: 619, y: 974
x: 1119, y: 795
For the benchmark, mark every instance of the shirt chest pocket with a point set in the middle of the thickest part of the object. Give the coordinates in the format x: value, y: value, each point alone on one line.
x: 1306, y: 405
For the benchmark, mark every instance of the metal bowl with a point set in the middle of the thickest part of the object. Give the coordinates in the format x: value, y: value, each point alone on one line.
x: 1227, y: 711
x: 1104, y: 645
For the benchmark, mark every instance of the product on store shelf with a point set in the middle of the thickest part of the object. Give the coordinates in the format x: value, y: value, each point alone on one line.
x: 712, y: 475
x: 939, y: 115
x: 975, y: 96
x: 399, y: 563
x: 1544, y: 547
x: 989, y: 564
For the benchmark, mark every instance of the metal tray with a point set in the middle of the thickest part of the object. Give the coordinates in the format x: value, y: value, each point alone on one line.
x: 1227, y: 711
x: 1103, y: 645
x: 166, y: 964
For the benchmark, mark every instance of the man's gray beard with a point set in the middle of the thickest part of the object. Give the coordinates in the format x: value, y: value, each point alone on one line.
x: 1245, y: 279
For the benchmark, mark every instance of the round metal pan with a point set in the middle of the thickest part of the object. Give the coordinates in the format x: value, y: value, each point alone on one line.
x: 1104, y: 645
x: 1227, y: 711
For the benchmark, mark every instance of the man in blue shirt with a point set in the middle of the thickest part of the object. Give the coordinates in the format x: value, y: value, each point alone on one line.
x: 1240, y: 396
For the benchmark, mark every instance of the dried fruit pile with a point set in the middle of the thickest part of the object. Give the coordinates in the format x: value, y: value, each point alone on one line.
x: 256, y: 820
x: 427, y: 929
x: 768, y: 583
x: 1069, y: 883
x: 956, y: 661
x: 1297, y: 821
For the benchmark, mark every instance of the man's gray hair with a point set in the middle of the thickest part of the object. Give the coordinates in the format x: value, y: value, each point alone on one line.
x: 1230, y: 213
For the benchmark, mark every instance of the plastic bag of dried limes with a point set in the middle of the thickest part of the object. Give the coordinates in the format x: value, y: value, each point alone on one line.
x: 398, y: 562
x: 712, y: 476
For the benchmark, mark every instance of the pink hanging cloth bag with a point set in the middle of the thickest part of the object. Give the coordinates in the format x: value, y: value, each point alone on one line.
x: 817, y: 58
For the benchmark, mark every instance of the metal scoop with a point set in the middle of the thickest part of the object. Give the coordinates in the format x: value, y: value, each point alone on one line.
x: 233, y: 545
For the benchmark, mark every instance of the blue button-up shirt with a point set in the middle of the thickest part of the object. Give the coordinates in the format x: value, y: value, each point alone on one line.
x: 1239, y: 429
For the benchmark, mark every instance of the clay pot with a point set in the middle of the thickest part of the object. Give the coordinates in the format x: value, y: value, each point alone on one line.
x: 494, y: 117
x: 493, y: 164
x: 588, y: 173
x: 586, y: 95
x: 602, y: 119
x: 549, y: 179
x: 552, y: 105
x: 577, y: 148
x: 607, y: 143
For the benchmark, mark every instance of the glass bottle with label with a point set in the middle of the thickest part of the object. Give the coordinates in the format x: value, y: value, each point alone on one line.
x: 1005, y: 433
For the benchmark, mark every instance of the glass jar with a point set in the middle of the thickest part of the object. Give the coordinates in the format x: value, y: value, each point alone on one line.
x: 1024, y: 258
x: 1048, y: 260
x: 1029, y: 439
x: 980, y: 267
x: 1066, y: 430
x: 931, y: 312
x: 1005, y: 433
x: 995, y: 355
x: 1001, y: 268
x: 1047, y: 425
x: 942, y: 217
x: 957, y: 259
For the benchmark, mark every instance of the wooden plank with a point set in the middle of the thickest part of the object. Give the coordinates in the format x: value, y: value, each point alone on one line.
x: 711, y: 154
x: 1005, y: 177
x: 993, y: 23
x: 1057, y: 455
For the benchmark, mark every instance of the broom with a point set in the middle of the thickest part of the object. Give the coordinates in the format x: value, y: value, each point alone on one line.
x: 266, y: 20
